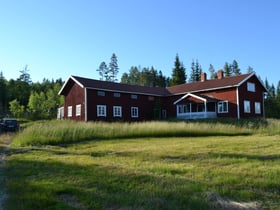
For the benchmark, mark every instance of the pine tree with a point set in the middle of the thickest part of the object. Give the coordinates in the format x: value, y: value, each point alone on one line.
x: 250, y: 69
x: 103, y: 71
x: 113, y: 68
x: 178, y: 73
x: 213, y: 73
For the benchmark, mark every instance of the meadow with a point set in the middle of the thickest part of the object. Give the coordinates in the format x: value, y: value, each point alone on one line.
x: 149, y: 165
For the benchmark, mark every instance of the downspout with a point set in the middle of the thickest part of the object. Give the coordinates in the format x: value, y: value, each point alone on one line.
x: 237, y: 101
x: 86, y: 118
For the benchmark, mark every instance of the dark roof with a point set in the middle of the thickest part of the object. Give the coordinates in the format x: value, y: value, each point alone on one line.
x: 194, y: 87
x: 118, y: 87
x: 225, y: 82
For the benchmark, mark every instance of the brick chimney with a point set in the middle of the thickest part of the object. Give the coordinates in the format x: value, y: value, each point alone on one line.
x: 203, y: 77
x: 220, y: 74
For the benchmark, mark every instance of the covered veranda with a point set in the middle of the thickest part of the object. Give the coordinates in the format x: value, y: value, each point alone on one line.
x: 192, y: 106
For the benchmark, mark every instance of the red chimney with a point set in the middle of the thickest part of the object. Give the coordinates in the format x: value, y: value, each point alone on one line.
x: 203, y: 77
x: 220, y: 74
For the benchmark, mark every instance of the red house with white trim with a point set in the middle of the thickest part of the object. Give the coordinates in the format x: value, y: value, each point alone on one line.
x: 238, y: 97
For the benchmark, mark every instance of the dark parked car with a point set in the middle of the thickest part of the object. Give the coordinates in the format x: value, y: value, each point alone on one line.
x: 9, y: 124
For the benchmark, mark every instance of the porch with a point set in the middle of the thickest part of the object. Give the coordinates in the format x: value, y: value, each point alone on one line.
x: 193, y: 106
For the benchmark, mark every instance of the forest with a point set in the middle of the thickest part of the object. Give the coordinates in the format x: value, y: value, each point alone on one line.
x: 21, y: 98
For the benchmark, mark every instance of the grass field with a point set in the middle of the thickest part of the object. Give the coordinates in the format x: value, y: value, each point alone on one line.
x: 104, y: 166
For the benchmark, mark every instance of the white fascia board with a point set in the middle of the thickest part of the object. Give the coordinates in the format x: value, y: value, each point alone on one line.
x: 65, y: 83
x: 192, y: 95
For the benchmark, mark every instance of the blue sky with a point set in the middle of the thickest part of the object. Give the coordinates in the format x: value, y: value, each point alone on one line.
x: 58, y: 38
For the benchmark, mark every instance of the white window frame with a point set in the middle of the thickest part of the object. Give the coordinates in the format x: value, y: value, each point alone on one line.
x: 247, y: 106
x: 69, y: 111
x: 101, y: 111
x: 251, y: 87
x: 78, y: 109
x: 117, y: 111
x: 100, y: 93
x: 258, y: 108
x: 117, y: 95
x: 223, y: 107
x: 133, y: 96
x: 134, y: 112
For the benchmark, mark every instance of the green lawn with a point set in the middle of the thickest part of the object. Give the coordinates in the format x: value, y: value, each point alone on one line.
x: 146, y: 173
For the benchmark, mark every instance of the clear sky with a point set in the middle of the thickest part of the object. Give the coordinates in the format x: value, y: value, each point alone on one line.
x: 59, y: 38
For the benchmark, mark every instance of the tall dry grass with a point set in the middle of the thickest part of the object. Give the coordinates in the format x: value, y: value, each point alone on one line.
x: 61, y: 132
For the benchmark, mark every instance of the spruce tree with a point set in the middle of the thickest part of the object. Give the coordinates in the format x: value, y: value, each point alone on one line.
x: 235, y: 69
x: 178, y: 73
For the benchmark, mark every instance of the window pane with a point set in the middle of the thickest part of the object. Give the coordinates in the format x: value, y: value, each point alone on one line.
x: 257, y: 107
x: 69, y: 111
x: 247, y: 106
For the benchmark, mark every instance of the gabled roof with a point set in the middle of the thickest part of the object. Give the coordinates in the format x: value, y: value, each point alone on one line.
x: 114, y: 87
x: 194, y: 87
x: 225, y: 82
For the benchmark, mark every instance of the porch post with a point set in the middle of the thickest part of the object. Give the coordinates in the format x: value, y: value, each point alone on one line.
x: 205, y: 109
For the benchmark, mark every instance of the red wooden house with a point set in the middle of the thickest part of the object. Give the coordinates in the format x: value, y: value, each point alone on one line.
x: 239, y: 96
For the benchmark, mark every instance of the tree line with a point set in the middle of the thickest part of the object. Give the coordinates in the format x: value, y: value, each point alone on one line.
x: 152, y: 77
x: 22, y: 98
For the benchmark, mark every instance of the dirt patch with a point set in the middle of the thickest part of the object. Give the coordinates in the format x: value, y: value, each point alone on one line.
x: 229, y: 204
x: 5, y: 140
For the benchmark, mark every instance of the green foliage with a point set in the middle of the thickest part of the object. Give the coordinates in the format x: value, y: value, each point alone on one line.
x: 178, y: 73
x: 196, y: 71
x: 16, y: 109
x: 144, y: 77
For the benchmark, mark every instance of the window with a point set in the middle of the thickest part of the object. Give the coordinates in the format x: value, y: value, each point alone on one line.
x: 133, y: 96
x: 257, y: 107
x: 101, y: 111
x: 182, y: 109
x: 100, y: 93
x: 117, y: 111
x: 251, y: 87
x: 223, y: 107
x: 69, y: 111
x: 247, y: 106
x: 117, y: 95
x: 134, y: 112
x: 78, y: 110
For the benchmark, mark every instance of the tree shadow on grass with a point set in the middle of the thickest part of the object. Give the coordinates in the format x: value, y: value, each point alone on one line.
x: 51, y: 184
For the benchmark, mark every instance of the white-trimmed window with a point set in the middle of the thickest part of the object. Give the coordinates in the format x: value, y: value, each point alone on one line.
x: 100, y: 93
x: 69, y: 111
x: 134, y: 112
x: 117, y: 111
x: 251, y: 87
x: 101, y: 110
x: 247, y: 106
x: 223, y: 107
x: 257, y: 107
x: 117, y: 95
x: 133, y: 96
x: 78, y: 110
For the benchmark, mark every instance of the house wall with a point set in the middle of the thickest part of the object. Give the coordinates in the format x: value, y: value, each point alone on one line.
x: 74, y: 96
x: 253, y: 97
x: 228, y: 94
x: 146, y: 106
